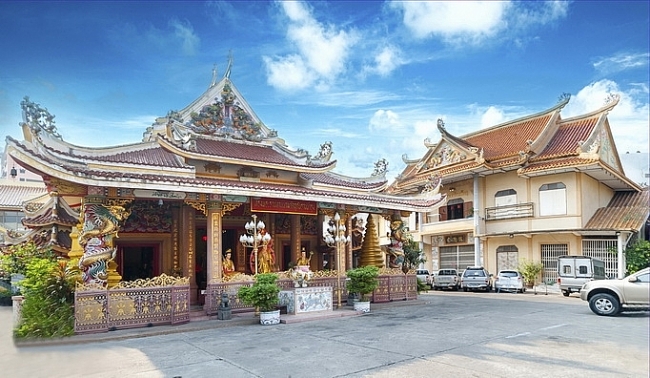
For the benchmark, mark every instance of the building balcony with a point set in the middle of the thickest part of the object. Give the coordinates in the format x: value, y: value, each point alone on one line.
x: 522, y: 210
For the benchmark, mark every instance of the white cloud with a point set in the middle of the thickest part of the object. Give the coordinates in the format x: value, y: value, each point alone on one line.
x: 453, y: 20
x: 492, y: 117
x: 386, y: 60
x: 321, y: 50
x: 184, y: 32
x: 473, y: 22
x: 288, y: 73
x: 621, y: 62
x: 384, y: 120
x: 628, y: 120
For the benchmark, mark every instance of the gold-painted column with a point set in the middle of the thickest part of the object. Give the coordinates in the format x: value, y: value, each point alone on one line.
x: 295, y: 237
x: 215, y: 258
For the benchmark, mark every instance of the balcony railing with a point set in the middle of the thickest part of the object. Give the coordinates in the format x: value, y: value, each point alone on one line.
x: 522, y: 210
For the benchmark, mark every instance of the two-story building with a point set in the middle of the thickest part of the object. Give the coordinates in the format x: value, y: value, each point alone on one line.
x: 530, y: 189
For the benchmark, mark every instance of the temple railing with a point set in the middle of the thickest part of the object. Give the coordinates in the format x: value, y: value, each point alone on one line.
x: 140, y: 303
x: 392, y: 287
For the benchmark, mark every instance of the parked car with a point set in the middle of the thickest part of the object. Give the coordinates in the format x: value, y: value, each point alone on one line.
x: 609, y: 297
x: 509, y: 280
x: 476, y: 278
x: 446, y: 279
x: 424, y: 276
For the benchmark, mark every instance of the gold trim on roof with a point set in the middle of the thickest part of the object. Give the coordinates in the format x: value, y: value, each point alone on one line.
x: 198, y: 205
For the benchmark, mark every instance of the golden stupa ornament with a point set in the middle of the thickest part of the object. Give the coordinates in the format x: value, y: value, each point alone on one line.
x: 370, y: 250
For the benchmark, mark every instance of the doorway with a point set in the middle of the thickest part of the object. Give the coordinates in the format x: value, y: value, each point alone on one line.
x: 138, y: 261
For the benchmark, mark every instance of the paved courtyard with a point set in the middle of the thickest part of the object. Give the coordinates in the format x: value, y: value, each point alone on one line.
x: 449, y: 334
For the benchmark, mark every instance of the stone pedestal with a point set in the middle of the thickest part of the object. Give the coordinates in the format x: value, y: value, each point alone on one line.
x: 302, y: 300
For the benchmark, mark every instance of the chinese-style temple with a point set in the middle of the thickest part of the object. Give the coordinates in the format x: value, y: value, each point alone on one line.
x: 175, y: 202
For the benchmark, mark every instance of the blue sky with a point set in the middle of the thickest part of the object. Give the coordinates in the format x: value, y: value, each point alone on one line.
x: 372, y: 77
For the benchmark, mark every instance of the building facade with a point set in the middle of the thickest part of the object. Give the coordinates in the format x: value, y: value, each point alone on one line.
x: 531, y: 189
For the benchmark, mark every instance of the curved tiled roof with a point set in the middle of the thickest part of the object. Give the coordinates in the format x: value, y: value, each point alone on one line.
x: 329, y: 179
x: 49, y: 217
x: 148, y: 155
x: 508, y: 140
x: 555, y: 164
x: 627, y: 210
x: 245, y: 152
x: 13, y: 196
x: 566, y: 138
x: 230, y: 185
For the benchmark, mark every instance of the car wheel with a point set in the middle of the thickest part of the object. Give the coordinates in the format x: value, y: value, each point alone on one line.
x: 465, y: 289
x: 604, y: 304
x: 566, y: 293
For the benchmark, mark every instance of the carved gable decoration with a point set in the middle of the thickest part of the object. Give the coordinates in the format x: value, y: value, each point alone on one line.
x: 445, y: 154
x: 226, y: 117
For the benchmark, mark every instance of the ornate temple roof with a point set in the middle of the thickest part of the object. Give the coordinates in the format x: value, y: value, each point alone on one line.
x: 538, y: 144
x: 215, y: 145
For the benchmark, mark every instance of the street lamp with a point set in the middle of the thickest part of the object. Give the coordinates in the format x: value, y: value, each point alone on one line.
x: 254, y: 238
x: 336, y: 238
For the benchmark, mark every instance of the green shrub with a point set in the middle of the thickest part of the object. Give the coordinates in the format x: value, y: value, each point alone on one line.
x: 263, y: 294
x: 637, y: 256
x: 363, y: 280
x: 48, y: 308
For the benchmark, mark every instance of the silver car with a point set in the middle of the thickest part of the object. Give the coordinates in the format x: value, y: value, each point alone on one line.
x: 609, y: 297
x: 509, y: 280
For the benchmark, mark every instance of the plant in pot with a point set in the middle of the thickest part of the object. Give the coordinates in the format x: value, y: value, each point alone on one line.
x: 530, y: 271
x: 363, y: 280
x: 263, y: 294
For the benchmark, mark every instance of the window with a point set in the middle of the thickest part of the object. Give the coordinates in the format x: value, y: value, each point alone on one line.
x: 505, y: 197
x: 644, y: 278
x: 583, y: 269
x: 552, y: 199
x: 11, y: 220
x: 455, y: 209
x: 566, y: 269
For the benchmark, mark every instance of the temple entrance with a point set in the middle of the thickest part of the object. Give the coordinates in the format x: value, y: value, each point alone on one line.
x: 136, y: 261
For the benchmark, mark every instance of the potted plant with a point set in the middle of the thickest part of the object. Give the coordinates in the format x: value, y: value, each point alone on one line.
x: 363, y: 280
x: 530, y: 271
x: 263, y: 294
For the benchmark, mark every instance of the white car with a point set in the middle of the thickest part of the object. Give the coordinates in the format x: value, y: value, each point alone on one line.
x: 509, y: 280
x: 609, y: 297
x: 424, y: 276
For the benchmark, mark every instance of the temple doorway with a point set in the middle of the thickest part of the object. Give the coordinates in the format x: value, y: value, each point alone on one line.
x: 135, y: 261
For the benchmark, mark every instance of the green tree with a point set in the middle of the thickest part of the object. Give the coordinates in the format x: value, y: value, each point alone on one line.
x: 413, y: 256
x: 16, y: 258
x: 48, y: 308
x: 637, y: 256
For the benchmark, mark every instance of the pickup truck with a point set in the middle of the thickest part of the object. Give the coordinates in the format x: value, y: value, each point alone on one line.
x: 446, y: 279
x: 575, y: 271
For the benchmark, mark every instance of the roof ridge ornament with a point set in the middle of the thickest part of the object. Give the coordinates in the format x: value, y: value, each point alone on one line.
x: 381, y: 167
x: 38, y: 119
x: 226, y: 74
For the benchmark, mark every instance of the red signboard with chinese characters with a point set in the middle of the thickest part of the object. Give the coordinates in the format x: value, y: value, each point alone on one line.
x: 272, y: 205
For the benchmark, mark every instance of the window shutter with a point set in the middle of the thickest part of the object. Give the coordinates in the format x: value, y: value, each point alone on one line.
x: 442, y: 211
x: 468, y: 210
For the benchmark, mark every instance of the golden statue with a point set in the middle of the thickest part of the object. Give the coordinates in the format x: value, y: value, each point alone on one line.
x: 266, y: 260
x: 228, y: 264
x: 303, y: 260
